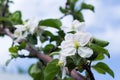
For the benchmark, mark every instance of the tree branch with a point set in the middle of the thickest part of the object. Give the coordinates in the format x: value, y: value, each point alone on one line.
x: 88, y: 69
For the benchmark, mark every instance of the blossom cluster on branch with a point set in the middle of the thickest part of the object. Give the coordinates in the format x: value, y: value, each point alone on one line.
x: 77, y: 49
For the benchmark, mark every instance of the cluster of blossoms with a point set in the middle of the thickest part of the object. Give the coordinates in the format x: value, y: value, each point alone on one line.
x: 74, y: 44
x: 22, y: 31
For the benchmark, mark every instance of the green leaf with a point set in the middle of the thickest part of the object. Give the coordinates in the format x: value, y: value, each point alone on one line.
x: 32, y: 39
x: 63, y: 10
x: 99, y: 42
x: 14, y: 51
x: 22, y: 46
x: 70, y: 63
x: 61, y: 34
x: 87, y: 6
x: 78, y: 16
x: 46, y: 35
x: 95, y: 54
x: 35, y: 71
x: 48, y: 48
x: 100, y: 57
x: 16, y: 17
x: 8, y: 61
x: 99, y: 49
x: 103, y: 68
x: 51, y: 70
x: 54, y: 53
x: 55, y: 23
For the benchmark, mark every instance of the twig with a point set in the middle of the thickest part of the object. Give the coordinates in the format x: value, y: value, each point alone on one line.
x: 88, y: 69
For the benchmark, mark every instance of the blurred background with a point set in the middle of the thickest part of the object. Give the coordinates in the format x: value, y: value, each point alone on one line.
x: 103, y: 24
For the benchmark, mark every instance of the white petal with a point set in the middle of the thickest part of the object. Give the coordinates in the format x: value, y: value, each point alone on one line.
x: 68, y: 51
x: 66, y: 44
x: 85, y: 52
x: 18, y: 26
x: 62, y: 58
x: 69, y: 36
x: 82, y: 37
x: 31, y: 25
x: 80, y: 26
x: 66, y: 29
x: 17, y: 33
x: 63, y: 72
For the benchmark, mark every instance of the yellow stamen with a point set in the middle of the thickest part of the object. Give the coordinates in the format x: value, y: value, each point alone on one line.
x: 76, y: 44
x: 60, y: 63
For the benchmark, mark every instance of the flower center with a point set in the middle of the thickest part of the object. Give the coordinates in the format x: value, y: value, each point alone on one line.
x: 60, y: 63
x: 17, y: 33
x: 76, y: 44
x: 73, y: 27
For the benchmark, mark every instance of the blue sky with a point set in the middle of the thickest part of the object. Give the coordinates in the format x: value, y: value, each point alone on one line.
x: 104, y: 24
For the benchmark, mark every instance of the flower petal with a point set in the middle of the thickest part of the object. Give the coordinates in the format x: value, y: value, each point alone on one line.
x: 82, y: 37
x: 63, y: 72
x: 85, y: 52
x: 62, y: 59
x: 66, y: 44
x: 69, y: 36
x: 31, y: 25
x: 68, y: 51
x: 78, y: 26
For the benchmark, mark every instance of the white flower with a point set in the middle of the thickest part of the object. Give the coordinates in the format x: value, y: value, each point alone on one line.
x: 20, y: 33
x: 31, y: 26
x: 75, y: 26
x: 62, y: 63
x: 76, y: 43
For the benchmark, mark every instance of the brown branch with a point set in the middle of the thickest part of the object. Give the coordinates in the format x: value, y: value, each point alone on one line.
x: 77, y: 76
x: 88, y: 69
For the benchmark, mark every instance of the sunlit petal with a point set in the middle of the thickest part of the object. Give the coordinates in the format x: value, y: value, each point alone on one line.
x: 85, y: 52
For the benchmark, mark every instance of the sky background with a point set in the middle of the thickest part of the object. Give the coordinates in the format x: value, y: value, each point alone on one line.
x: 103, y: 24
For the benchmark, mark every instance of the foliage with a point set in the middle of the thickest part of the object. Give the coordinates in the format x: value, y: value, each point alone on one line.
x: 52, y: 43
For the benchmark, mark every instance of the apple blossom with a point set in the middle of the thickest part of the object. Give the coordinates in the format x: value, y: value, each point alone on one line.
x: 74, y: 43
x: 75, y: 26
x: 22, y: 31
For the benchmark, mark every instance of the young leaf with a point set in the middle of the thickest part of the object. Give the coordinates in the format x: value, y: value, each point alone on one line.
x: 16, y: 17
x: 99, y: 42
x: 99, y: 49
x: 103, y: 68
x: 55, y: 23
x: 87, y: 6
x: 54, y: 53
x: 35, y: 71
x: 22, y: 46
x: 70, y: 63
x: 100, y: 57
x: 63, y: 10
x: 32, y: 39
x: 51, y: 70
x: 48, y: 48
x: 14, y: 51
